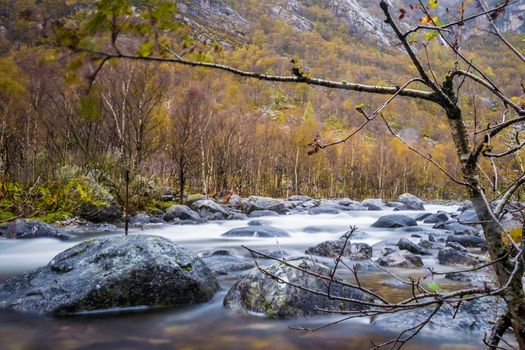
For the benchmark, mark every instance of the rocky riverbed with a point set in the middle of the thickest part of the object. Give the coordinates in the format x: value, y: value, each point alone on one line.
x: 198, y: 247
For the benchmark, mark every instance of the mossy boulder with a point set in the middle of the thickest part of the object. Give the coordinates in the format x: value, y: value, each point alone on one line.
x: 117, y: 272
x: 262, y: 294
x: 100, y: 212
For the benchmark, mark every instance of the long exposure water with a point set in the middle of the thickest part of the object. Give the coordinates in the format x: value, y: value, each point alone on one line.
x: 209, y: 325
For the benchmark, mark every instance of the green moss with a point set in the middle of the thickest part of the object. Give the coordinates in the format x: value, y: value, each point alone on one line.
x: 195, y: 196
x: 6, y: 216
x: 54, y: 217
x: 157, y: 207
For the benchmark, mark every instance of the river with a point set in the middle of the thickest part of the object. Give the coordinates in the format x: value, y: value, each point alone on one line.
x: 209, y: 325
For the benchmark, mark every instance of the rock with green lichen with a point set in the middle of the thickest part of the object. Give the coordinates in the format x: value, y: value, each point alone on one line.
x: 117, y: 272
x: 277, y: 297
x: 100, y: 212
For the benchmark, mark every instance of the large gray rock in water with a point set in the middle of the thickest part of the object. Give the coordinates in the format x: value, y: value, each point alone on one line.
x: 262, y: 294
x: 393, y: 221
x: 451, y: 256
x: 116, y: 272
x: 100, y: 213
x: 400, y: 258
x: 210, y: 210
x: 406, y: 244
x: 411, y: 202
x: 354, y: 251
x: 25, y: 229
x: 256, y: 231
x: 182, y: 212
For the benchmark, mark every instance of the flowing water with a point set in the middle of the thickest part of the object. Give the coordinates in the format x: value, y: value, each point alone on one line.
x: 209, y: 325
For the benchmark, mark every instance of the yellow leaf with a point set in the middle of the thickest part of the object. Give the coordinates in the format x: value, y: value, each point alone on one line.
x: 432, y: 4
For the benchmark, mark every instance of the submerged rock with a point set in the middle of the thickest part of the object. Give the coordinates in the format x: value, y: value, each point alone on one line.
x: 354, y: 251
x: 117, y: 272
x: 260, y: 293
x: 26, y: 229
x: 393, y: 221
x: 256, y: 231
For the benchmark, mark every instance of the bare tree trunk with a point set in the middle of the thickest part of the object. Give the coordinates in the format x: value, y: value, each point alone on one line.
x: 498, y: 251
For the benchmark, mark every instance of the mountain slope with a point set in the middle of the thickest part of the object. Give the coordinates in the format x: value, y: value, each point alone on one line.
x: 230, y: 20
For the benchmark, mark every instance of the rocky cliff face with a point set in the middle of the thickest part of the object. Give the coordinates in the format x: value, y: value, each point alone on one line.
x: 214, y: 20
x: 228, y: 20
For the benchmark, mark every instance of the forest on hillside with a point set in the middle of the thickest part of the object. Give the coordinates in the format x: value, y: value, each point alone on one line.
x: 213, y: 133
